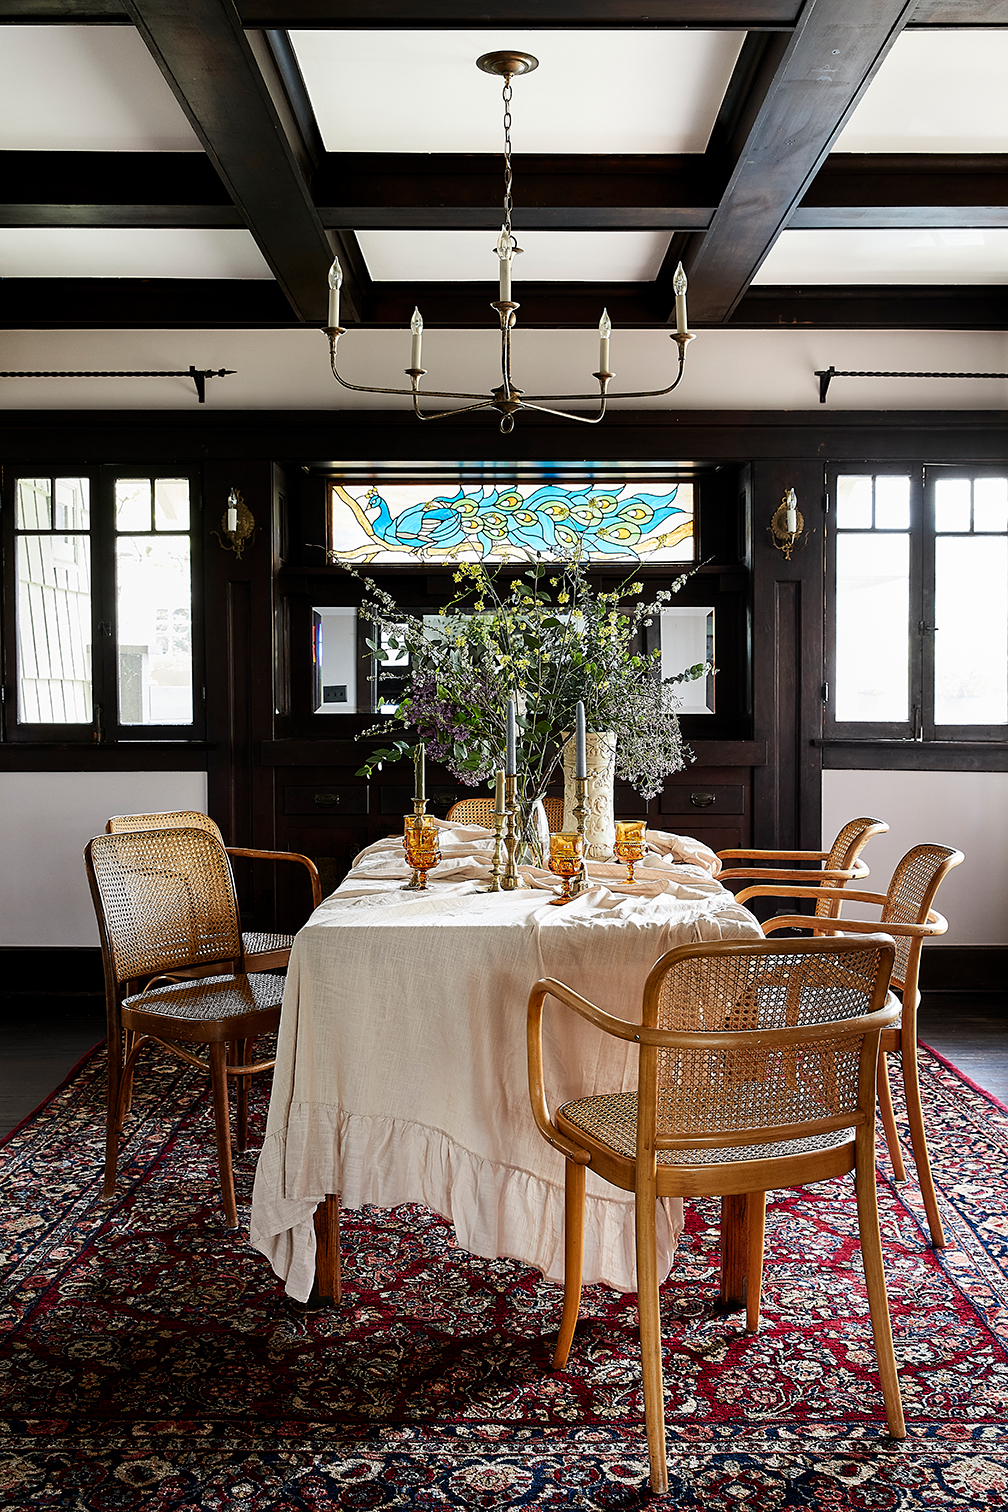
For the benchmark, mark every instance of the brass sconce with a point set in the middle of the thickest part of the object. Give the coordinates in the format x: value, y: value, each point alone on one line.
x: 237, y: 524
x: 787, y: 524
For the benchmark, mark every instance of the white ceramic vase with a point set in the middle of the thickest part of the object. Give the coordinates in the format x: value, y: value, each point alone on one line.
x: 600, y: 824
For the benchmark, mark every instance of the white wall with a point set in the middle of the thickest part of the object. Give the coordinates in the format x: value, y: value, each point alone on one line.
x: 46, y: 819
x: 968, y: 810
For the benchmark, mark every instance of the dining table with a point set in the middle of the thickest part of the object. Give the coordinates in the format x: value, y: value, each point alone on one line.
x: 401, y: 1069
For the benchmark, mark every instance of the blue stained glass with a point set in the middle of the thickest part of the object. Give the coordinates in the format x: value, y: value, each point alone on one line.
x: 401, y: 523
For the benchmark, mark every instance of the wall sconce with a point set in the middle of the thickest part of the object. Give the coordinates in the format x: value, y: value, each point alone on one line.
x: 237, y: 524
x: 787, y: 524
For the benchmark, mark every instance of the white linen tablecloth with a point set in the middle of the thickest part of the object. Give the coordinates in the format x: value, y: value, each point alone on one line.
x: 401, y: 1066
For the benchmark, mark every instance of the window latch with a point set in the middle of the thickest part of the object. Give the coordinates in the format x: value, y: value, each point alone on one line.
x: 923, y: 628
x: 105, y: 626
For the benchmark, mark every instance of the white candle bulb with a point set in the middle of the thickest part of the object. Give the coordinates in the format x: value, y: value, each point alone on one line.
x: 504, y: 246
x: 335, y: 282
x: 679, y: 288
x: 604, y: 331
x: 416, y: 326
x: 791, y: 512
x: 232, y: 513
x: 580, y: 743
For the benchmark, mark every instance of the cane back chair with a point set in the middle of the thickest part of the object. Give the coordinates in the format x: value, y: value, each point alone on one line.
x: 480, y: 811
x: 264, y: 951
x: 756, y: 1071
x: 174, y: 973
x: 907, y: 915
x: 839, y: 865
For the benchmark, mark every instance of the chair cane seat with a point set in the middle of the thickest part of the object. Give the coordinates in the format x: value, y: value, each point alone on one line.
x: 260, y: 942
x: 210, y: 999
x: 611, y: 1119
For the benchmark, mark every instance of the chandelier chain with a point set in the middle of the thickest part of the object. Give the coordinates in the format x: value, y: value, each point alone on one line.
x: 507, y: 157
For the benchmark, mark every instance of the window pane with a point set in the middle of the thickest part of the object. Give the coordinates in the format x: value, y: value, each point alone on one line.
x: 154, y: 587
x: 133, y: 503
x: 952, y: 504
x: 990, y: 504
x: 73, y: 506
x: 971, y: 641
x: 33, y: 504
x: 171, y: 503
x: 854, y: 503
x: 892, y: 503
x: 54, y: 629
x: 873, y: 591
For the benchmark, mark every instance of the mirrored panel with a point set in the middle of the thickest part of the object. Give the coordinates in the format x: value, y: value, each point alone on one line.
x: 334, y: 660
x: 687, y: 639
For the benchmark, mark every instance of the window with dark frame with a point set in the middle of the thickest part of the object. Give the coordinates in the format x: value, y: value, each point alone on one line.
x: 101, y: 596
x: 917, y: 604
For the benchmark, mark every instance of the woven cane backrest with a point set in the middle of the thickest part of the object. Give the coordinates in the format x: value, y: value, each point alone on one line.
x: 167, y: 901
x: 178, y: 819
x: 845, y: 851
x: 480, y: 811
x: 742, y: 1089
x: 911, y: 892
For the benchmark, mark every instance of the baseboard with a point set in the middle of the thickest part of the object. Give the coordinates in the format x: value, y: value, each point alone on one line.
x: 65, y: 979
x: 965, y: 968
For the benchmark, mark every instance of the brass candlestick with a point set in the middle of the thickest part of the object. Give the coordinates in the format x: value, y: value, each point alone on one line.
x: 580, y: 882
x: 418, y: 882
x: 496, y: 871
x: 511, y: 878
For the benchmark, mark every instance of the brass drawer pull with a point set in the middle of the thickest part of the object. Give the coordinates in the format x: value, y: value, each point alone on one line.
x: 327, y: 800
x: 701, y: 800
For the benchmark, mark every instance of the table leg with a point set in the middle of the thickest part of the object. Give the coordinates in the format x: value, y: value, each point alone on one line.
x: 734, y: 1253
x: 327, y: 1250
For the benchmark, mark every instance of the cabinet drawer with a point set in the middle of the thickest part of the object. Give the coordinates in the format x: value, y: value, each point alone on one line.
x: 704, y: 798
x: 325, y: 800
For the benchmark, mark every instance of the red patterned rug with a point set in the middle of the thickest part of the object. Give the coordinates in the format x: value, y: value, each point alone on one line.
x: 149, y: 1360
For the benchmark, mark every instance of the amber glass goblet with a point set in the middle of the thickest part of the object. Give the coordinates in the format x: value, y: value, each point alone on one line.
x: 420, y: 842
x: 566, y: 851
x: 630, y: 843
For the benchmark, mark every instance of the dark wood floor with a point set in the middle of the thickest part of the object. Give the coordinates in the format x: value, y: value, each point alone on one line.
x: 37, y: 1050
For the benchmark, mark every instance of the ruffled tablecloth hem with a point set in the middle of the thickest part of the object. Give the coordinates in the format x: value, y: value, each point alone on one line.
x: 388, y: 1162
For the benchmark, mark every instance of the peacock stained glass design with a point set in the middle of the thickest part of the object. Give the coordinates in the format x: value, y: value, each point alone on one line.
x: 406, y: 522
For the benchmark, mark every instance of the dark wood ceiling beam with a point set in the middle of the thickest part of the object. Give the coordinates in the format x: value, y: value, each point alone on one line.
x: 423, y: 191
x: 370, y: 15
x: 543, y: 306
x: 237, y: 104
x: 113, y: 189
x: 879, y: 307
x: 929, y: 190
x: 41, y: 304
x: 835, y: 50
x: 960, y: 13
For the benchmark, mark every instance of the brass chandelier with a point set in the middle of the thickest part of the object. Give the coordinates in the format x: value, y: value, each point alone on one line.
x: 508, y: 398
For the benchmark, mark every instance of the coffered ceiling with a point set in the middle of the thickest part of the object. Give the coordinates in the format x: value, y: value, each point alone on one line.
x: 833, y: 163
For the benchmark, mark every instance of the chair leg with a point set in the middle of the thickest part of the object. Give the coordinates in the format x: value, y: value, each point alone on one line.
x: 574, y: 1200
x: 112, y: 1116
x: 918, y: 1139
x: 243, y: 1052
x: 755, y: 1228
x: 650, y: 1334
x: 878, y: 1302
x: 222, y: 1120
x: 126, y: 1095
x: 889, y: 1119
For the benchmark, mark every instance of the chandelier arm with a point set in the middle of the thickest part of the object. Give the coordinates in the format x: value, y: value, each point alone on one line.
x: 464, y: 409
x: 567, y: 414
x: 639, y: 394
x: 366, y: 388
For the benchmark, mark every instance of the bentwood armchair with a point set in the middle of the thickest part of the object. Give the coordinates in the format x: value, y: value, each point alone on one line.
x: 480, y: 811
x: 263, y: 951
x: 906, y: 914
x: 757, y: 1070
x: 837, y: 866
x: 175, y: 973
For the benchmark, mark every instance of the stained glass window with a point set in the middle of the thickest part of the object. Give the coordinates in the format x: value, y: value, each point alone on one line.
x: 399, y: 523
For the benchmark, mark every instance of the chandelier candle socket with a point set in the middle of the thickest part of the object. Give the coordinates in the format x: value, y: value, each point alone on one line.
x: 507, y: 398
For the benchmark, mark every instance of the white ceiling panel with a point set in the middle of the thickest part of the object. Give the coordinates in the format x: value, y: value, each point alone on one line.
x: 470, y: 256
x: 888, y: 257
x: 103, y: 252
x: 635, y: 91
x: 937, y: 91
x: 86, y: 89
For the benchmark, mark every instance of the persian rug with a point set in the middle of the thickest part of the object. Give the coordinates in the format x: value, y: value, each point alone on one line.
x: 148, y: 1359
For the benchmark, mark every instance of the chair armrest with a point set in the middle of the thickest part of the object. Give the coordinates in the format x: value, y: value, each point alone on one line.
x: 936, y: 925
x: 831, y: 894
x: 778, y: 874
x: 774, y: 855
x: 265, y: 855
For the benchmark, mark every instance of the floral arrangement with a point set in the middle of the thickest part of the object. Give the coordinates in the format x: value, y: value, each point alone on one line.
x: 548, y: 639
